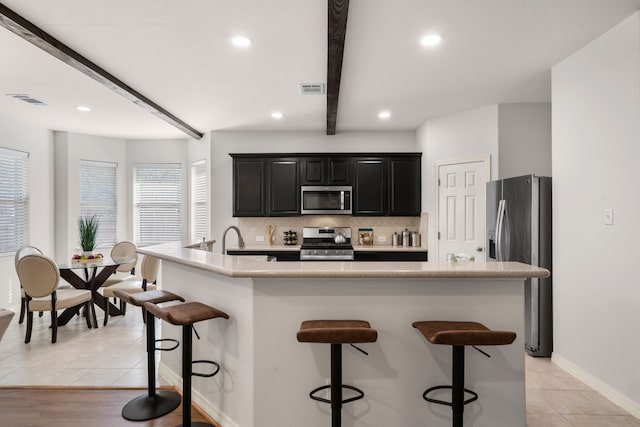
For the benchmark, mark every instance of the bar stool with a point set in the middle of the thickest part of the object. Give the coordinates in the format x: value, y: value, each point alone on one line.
x: 336, y: 333
x: 186, y: 315
x: 458, y: 335
x: 156, y: 403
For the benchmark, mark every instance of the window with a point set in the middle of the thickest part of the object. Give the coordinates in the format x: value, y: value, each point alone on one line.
x: 98, y: 196
x: 158, y: 201
x: 198, y: 200
x: 14, y: 200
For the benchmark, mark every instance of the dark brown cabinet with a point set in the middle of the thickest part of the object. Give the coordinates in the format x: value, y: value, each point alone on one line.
x: 370, y: 186
x: 249, y: 187
x: 325, y: 171
x: 404, y: 186
x: 383, y: 184
x: 284, y: 187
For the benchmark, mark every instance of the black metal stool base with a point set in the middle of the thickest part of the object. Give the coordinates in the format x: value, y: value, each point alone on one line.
x: 144, y: 408
x: 325, y: 387
x: 447, y: 387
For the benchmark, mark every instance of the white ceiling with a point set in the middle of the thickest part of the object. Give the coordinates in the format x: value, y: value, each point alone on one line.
x: 177, y: 54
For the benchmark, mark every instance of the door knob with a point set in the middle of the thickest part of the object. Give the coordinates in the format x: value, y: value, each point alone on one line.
x: 479, y: 249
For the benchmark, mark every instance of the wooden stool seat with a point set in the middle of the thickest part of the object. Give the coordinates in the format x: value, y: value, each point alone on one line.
x: 185, y: 314
x: 153, y: 297
x: 336, y: 332
x: 458, y: 335
x: 462, y: 333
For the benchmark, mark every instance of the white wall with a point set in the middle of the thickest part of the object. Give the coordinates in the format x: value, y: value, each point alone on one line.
x: 524, y: 139
x: 223, y: 143
x: 470, y: 134
x: 70, y: 148
x: 596, y: 147
x: 38, y: 142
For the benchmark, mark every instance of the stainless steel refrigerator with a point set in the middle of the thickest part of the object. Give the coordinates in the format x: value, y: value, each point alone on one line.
x: 519, y: 229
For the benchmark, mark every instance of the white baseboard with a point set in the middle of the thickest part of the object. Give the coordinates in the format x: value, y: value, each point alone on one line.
x: 598, y: 385
x: 207, y: 407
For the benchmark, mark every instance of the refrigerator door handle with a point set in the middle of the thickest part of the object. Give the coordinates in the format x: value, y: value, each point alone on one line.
x: 499, y: 223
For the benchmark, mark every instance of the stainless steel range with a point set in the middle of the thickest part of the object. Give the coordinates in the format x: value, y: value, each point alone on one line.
x: 326, y: 244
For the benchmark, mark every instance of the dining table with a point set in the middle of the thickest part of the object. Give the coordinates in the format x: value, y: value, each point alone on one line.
x: 91, y: 275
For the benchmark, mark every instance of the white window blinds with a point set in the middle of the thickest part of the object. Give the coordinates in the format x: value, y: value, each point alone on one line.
x: 14, y: 200
x: 158, y: 201
x: 98, y: 196
x: 199, y: 200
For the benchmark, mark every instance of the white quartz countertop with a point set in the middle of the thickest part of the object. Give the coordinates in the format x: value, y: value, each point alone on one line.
x: 253, y: 267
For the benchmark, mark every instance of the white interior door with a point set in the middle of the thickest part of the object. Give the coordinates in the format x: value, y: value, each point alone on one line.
x: 462, y: 208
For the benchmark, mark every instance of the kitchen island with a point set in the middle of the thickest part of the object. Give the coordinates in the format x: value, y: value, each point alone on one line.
x: 266, y: 374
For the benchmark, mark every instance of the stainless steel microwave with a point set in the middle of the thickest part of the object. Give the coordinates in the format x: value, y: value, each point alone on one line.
x: 326, y: 200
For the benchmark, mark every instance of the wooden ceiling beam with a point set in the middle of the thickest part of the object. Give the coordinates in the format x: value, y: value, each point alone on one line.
x: 337, y: 29
x: 35, y: 35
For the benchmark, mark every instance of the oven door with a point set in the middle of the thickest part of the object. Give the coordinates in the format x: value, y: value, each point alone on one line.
x: 323, y: 200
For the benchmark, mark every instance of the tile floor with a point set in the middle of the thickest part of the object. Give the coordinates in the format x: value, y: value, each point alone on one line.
x: 115, y: 356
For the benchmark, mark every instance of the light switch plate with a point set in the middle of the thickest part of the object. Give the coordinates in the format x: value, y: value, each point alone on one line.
x: 259, y: 238
x: 608, y: 216
x: 382, y: 239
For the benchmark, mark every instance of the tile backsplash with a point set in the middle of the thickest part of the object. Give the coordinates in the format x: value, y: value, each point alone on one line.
x: 382, y: 227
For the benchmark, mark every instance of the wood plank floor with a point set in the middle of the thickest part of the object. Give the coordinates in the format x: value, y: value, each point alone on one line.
x: 65, y: 407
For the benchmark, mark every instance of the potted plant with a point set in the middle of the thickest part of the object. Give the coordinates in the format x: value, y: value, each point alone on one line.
x: 88, y: 230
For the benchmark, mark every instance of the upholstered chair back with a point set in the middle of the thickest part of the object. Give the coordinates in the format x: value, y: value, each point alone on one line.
x: 149, y: 268
x: 24, y: 251
x: 125, y: 249
x: 39, y: 275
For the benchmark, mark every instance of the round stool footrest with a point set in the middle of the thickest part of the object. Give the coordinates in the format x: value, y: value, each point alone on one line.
x: 208, y: 362
x: 159, y: 340
x: 447, y: 387
x: 359, y: 396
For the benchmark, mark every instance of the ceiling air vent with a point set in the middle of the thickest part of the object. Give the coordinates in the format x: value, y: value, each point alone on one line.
x: 26, y: 98
x: 312, y: 88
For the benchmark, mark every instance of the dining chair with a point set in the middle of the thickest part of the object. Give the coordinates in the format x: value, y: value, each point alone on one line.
x: 148, y: 270
x: 26, y: 250
x: 124, y: 249
x: 39, y: 276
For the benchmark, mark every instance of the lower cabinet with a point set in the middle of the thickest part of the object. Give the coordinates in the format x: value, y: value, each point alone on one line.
x: 389, y: 256
x: 278, y: 255
x: 358, y: 255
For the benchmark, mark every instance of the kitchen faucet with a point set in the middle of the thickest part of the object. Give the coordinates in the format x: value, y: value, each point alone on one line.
x: 224, y: 237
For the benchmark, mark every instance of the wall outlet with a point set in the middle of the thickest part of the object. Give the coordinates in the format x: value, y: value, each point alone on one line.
x: 382, y: 239
x: 259, y: 238
x: 608, y: 216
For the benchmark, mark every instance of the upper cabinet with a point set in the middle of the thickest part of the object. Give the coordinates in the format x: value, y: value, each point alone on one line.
x: 370, y: 186
x: 284, y: 187
x: 404, y: 186
x: 325, y: 171
x: 249, y: 187
x: 383, y: 183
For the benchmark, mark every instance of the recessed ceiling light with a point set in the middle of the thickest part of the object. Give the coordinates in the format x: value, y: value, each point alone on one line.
x: 83, y: 108
x: 384, y: 115
x: 431, y: 40
x: 241, y: 41
x: 277, y: 115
